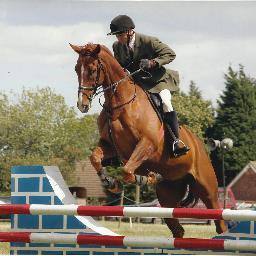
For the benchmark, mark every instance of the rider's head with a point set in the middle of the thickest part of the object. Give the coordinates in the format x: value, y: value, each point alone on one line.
x: 122, y: 27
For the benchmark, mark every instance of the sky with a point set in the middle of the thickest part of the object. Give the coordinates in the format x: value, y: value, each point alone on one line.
x: 206, y: 36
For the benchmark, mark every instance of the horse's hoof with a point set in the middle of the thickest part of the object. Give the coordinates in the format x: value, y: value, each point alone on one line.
x: 154, y: 178
x: 129, y: 178
x: 151, y: 180
x: 116, y: 189
x: 178, y: 232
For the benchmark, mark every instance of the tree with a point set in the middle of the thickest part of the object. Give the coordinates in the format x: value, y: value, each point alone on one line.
x: 193, y: 110
x: 194, y: 90
x: 82, y: 136
x: 35, y: 122
x: 236, y: 119
x: 4, y: 106
x: 40, y: 129
x: 4, y: 175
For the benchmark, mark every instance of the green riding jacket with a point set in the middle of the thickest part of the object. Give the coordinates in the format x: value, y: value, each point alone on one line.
x: 147, y: 47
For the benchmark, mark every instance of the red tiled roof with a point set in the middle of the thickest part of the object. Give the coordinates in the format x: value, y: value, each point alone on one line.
x: 243, y: 185
x: 87, y: 177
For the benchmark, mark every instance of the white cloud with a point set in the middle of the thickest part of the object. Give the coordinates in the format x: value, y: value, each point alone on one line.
x: 205, y: 61
x: 207, y: 37
x: 45, y: 41
x: 41, y: 56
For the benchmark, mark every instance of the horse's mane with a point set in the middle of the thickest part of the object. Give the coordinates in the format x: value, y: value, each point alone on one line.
x: 105, y: 54
x: 90, y: 47
x: 106, y: 49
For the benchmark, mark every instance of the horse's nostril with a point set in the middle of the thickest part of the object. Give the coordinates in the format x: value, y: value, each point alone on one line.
x: 83, y: 108
x: 86, y: 108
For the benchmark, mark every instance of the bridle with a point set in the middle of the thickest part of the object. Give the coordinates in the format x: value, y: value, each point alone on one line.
x: 95, y: 87
x: 98, y: 88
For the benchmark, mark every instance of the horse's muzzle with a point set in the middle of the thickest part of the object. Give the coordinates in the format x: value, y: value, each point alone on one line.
x: 83, y: 108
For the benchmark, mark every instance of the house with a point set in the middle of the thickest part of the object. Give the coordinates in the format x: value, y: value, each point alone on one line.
x: 86, y: 177
x: 244, y: 184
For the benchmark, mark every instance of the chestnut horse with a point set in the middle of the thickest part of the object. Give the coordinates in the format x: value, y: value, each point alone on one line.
x: 131, y: 130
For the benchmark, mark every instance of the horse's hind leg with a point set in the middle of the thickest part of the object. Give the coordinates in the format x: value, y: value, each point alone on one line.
x: 209, y: 195
x: 206, y: 185
x: 169, y: 195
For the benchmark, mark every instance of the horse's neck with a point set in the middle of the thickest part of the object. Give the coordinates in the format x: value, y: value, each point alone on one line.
x: 116, y: 74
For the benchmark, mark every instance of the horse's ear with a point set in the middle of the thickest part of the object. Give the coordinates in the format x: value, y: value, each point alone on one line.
x: 96, y: 51
x: 76, y: 48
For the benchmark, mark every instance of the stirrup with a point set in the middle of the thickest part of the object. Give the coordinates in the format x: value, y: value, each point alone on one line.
x: 183, y: 150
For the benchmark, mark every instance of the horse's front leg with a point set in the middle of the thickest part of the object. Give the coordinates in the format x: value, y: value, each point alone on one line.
x: 141, y: 153
x: 102, y: 152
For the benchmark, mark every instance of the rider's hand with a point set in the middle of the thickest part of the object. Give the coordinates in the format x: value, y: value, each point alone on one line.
x: 147, y: 64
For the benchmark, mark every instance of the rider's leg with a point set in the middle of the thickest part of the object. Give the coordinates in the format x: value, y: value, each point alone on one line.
x: 171, y: 120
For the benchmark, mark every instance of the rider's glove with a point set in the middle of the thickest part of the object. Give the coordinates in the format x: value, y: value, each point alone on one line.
x: 147, y: 64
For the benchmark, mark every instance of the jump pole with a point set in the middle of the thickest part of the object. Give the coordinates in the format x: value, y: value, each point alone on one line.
x: 132, y: 241
x: 154, y: 212
x: 45, y: 185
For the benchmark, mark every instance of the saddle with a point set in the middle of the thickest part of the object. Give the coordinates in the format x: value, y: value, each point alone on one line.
x: 157, y: 104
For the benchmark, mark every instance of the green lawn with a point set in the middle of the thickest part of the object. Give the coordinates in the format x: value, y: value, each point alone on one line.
x: 198, y: 231
x: 4, y: 247
x: 138, y: 229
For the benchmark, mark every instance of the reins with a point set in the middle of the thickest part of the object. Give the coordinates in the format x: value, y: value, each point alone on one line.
x: 99, y: 88
x: 114, y: 88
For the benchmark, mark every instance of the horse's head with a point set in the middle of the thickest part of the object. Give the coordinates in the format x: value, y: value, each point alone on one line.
x: 90, y: 74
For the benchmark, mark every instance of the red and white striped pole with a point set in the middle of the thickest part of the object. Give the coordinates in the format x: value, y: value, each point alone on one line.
x: 157, y: 212
x: 152, y: 242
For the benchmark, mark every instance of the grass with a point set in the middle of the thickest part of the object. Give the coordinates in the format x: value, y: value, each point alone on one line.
x: 138, y: 229
x: 5, y: 247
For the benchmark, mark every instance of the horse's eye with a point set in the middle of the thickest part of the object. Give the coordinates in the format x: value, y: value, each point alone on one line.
x: 91, y: 71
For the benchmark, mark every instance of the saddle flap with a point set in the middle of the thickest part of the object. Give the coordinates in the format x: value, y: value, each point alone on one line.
x: 157, y: 104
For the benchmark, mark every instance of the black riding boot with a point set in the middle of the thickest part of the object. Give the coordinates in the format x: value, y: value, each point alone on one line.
x: 172, y: 121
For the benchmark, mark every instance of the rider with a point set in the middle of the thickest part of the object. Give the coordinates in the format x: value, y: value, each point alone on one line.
x: 133, y: 51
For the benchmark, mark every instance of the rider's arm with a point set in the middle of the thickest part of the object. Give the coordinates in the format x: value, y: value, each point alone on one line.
x: 163, y: 52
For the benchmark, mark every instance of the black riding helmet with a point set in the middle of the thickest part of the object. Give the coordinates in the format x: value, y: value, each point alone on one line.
x: 120, y: 24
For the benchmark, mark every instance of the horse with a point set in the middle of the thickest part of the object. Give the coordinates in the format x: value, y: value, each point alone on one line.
x: 130, y: 129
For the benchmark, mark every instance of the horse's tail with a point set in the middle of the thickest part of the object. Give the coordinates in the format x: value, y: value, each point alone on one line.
x: 191, y: 198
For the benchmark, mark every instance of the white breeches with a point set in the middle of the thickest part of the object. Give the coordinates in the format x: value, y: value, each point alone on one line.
x: 166, y: 99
